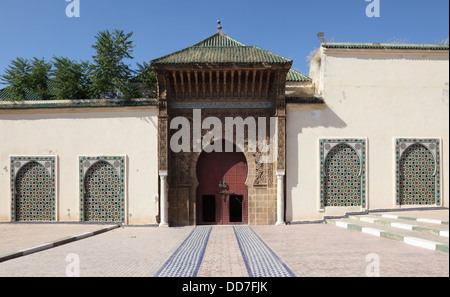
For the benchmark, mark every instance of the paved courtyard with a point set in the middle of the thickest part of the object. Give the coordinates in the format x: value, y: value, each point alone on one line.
x: 321, y: 250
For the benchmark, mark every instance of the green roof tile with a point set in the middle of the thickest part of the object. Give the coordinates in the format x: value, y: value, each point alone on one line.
x: 220, y: 48
x: 295, y: 76
x: 89, y: 103
x: 387, y: 46
x: 219, y: 40
x: 29, y: 94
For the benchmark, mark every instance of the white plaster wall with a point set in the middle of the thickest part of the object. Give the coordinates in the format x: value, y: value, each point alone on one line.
x: 69, y: 134
x: 372, y: 95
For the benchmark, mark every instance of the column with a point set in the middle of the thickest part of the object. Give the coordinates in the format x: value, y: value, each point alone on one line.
x: 280, y: 197
x: 164, y: 213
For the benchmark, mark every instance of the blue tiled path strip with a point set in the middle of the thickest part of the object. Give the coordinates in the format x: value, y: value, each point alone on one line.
x: 260, y: 260
x: 186, y: 260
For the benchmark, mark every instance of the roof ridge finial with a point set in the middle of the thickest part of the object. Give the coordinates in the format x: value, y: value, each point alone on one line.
x: 220, y: 26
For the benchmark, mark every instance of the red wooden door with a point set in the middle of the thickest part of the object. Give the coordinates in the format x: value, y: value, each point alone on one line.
x: 219, y: 168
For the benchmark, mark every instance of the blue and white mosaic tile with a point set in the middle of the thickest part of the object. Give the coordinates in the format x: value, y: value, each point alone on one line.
x: 186, y: 260
x: 259, y: 259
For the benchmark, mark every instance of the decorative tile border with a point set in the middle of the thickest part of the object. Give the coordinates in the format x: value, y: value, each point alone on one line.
x: 356, y: 145
x: 431, y: 145
x: 118, y: 165
x: 48, y: 163
x: 220, y: 105
x: 87, y: 103
x: 259, y: 259
x: 186, y: 260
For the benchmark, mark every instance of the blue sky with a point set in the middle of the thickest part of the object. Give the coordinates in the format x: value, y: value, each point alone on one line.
x: 40, y: 28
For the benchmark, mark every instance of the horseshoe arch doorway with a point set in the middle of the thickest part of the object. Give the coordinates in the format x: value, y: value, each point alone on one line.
x: 222, y: 196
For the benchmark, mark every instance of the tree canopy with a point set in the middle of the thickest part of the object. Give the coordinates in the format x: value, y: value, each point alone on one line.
x: 72, y: 79
x: 109, y: 75
x: 17, y: 76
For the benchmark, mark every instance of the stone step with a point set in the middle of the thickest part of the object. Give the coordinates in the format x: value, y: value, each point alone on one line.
x: 411, y: 218
x: 417, y: 238
x: 405, y: 223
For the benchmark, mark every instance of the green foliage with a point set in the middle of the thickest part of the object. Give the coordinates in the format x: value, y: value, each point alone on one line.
x: 17, y: 76
x: 39, y: 78
x: 24, y: 76
x: 108, y: 76
x: 71, y: 79
x: 111, y: 76
x: 147, y: 77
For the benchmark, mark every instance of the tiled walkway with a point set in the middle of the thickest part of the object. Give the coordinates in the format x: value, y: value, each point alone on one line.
x: 217, y: 251
x: 223, y: 257
x: 259, y: 259
x: 186, y: 260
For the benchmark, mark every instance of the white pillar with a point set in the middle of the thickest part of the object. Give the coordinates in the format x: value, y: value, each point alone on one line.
x: 164, y: 214
x: 280, y: 197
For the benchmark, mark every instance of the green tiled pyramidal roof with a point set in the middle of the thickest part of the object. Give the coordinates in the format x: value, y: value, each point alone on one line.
x: 295, y: 76
x: 220, y: 48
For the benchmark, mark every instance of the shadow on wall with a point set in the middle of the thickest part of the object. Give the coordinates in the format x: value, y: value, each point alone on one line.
x: 305, y: 117
x: 317, y: 116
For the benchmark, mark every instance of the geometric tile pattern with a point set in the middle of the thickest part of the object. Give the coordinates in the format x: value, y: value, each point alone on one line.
x: 418, y: 172
x: 259, y: 259
x: 186, y: 260
x: 343, y: 172
x: 33, y: 189
x: 102, y: 189
x: 220, y: 105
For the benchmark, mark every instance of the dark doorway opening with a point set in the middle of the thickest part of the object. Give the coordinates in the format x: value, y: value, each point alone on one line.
x: 209, y: 208
x: 221, y: 175
x: 236, y: 208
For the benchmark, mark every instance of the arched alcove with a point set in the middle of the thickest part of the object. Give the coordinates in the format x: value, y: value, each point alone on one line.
x: 417, y: 179
x: 342, y: 179
x: 34, y: 193
x: 103, y: 198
